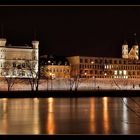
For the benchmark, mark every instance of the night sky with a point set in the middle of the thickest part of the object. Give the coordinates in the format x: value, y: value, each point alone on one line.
x: 71, y: 30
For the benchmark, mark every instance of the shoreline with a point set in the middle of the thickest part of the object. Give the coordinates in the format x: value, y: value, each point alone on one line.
x: 69, y: 94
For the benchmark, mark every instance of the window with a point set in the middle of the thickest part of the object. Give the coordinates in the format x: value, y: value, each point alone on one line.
x: 81, y: 60
x: 120, y: 72
x: 61, y: 70
x: 115, y: 61
x: 95, y: 71
x: 86, y: 60
x: 96, y: 61
x: 115, y: 72
x: 91, y: 72
x: 120, y: 62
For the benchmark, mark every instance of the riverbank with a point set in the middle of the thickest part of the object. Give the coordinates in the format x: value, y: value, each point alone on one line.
x: 57, y: 94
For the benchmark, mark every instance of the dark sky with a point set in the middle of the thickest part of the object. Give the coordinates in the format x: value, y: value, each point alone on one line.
x: 71, y: 30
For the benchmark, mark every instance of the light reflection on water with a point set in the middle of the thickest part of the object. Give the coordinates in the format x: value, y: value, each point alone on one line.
x: 50, y: 119
x: 106, y: 115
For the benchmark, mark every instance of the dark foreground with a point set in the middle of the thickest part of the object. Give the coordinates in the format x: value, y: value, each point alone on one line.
x: 41, y: 94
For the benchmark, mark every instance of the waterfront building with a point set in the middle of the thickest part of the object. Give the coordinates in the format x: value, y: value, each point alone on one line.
x: 54, y: 67
x: 107, y: 67
x: 19, y: 61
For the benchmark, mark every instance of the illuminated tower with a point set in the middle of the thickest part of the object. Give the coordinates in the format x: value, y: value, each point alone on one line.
x: 35, y: 54
x: 2, y: 42
x: 134, y: 52
x: 125, y: 49
x: 136, y: 48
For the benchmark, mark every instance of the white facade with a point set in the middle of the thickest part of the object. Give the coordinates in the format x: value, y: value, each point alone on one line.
x: 18, y: 61
x: 125, y: 51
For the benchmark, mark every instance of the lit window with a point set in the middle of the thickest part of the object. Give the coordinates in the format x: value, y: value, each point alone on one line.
x: 115, y: 72
x: 120, y: 72
x: 124, y: 72
x: 107, y: 66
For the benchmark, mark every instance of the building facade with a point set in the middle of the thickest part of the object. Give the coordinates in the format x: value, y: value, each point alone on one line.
x: 19, y: 61
x: 54, y: 67
x: 104, y: 67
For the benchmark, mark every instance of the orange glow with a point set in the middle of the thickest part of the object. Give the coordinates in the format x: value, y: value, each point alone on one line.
x: 92, y: 115
x: 105, y: 114
x: 36, y: 116
x: 4, y: 121
x: 50, y: 119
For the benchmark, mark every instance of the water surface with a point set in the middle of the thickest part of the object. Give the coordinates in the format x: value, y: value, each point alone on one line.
x: 93, y: 115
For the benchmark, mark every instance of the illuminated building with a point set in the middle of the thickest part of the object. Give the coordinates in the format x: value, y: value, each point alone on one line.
x: 54, y: 67
x: 14, y: 59
x: 104, y: 67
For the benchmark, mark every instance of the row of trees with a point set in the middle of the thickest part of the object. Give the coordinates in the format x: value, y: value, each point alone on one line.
x: 10, y: 74
x: 27, y: 74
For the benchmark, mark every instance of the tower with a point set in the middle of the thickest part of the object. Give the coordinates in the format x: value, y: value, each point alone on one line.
x: 134, y: 52
x: 136, y: 48
x: 125, y: 49
x: 35, y: 54
x: 2, y: 42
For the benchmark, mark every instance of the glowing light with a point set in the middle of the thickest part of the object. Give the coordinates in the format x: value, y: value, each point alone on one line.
x: 120, y: 72
x: 115, y: 72
x: 36, y: 116
x: 92, y: 116
x: 50, y: 120
x: 124, y: 72
x: 105, y: 114
x: 125, y: 116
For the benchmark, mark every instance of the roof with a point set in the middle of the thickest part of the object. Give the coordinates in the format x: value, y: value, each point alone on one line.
x: 53, y: 60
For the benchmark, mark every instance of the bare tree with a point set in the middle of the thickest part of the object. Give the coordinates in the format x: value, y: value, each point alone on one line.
x: 33, y: 75
x: 8, y: 74
x: 74, y: 82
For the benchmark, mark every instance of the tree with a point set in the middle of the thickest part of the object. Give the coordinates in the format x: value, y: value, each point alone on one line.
x: 33, y: 75
x: 8, y: 74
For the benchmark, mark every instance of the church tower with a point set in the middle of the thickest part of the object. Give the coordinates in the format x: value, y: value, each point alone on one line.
x: 134, y: 52
x: 125, y: 50
x: 35, y: 53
